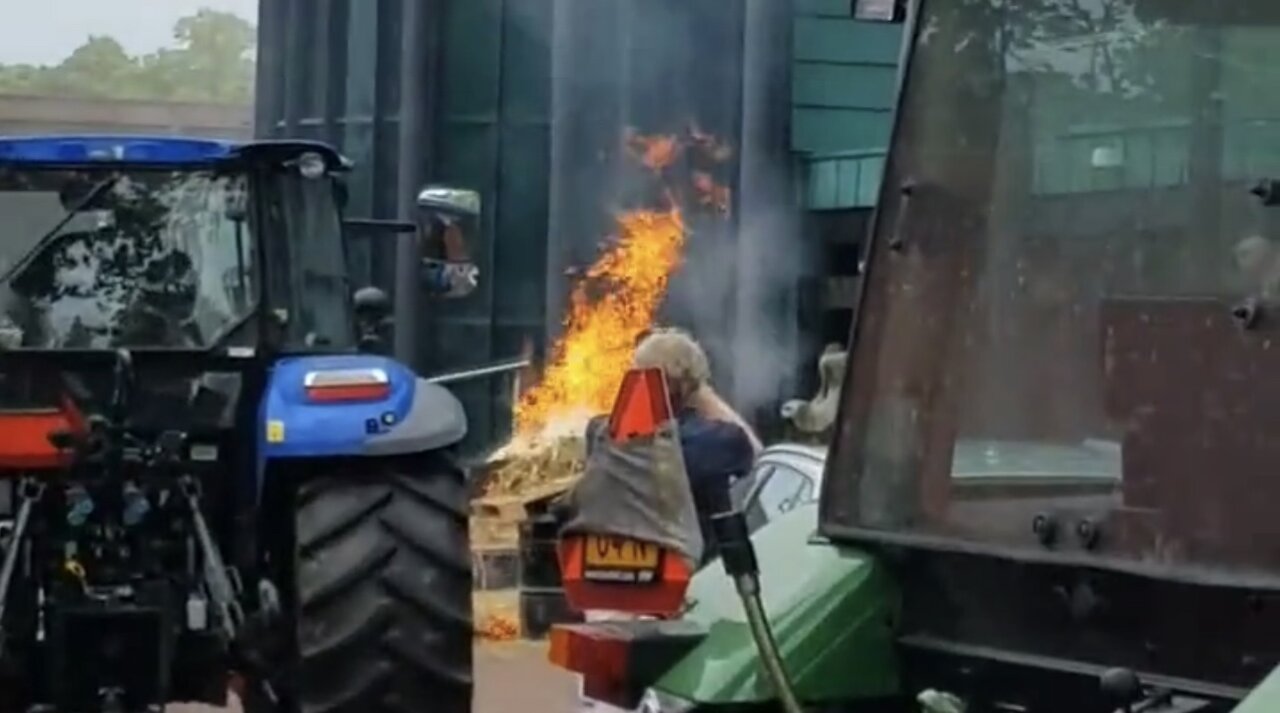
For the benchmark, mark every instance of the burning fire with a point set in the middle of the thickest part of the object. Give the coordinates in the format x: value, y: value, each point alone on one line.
x: 498, y: 627
x: 711, y: 194
x: 614, y: 302
x: 656, y: 153
x: 617, y: 298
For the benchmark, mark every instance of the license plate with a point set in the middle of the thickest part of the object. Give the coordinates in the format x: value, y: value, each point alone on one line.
x: 607, y: 552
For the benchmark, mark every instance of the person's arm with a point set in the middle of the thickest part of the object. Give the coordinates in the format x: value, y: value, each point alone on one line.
x: 709, y: 405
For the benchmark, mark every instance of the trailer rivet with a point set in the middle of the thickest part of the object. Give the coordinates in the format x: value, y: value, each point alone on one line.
x: 1045, y: 528
x: 1088, y: 532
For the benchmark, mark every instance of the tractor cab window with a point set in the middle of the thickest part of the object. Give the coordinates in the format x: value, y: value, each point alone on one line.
x: 98, y: 259
x: 1064, y: 345
x: 311, y: 290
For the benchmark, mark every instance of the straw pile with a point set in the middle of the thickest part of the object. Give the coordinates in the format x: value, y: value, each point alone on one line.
x: 524, y: 469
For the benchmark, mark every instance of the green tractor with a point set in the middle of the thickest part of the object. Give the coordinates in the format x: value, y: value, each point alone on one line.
x: 1052, y: 484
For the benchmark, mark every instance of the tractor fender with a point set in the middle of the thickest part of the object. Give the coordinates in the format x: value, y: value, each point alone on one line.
x: 412, y: 416
x: 435, y: 420
x: 806, y: 584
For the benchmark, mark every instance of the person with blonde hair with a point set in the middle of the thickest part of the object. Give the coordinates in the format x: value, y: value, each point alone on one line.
x: 717, y: 444
x: 688, y: 372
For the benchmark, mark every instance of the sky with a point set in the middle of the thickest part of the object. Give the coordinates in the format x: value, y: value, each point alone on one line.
x: 46, y: 31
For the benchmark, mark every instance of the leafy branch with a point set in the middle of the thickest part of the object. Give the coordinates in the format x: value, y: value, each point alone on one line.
x: 211, y: 62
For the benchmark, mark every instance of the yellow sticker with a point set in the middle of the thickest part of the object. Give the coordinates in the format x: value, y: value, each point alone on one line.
x: 275, y: 431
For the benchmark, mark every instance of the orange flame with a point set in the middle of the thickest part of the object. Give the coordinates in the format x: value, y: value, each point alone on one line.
x: 711, y: 194
x: 708, y: 145
x: 656, y: 153
x: 615, y: 301
x: 497, y: 627
x: 608, y: 311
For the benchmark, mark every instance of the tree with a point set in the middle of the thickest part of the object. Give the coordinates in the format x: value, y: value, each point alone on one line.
x: 94, y: 69
x: 213, y: 62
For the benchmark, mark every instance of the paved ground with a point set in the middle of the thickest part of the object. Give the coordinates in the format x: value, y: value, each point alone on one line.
x: 517, y: 677
x: 510, y: 677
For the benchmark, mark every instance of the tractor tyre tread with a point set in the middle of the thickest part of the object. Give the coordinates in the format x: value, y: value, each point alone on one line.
x: 383, y: 586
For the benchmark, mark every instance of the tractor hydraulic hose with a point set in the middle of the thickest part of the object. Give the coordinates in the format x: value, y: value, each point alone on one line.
x: 222, y: 591
x: 30, y: 491
x: 739, y: 558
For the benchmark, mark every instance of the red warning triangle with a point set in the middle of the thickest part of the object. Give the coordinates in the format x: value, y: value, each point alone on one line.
x: 643, y: 404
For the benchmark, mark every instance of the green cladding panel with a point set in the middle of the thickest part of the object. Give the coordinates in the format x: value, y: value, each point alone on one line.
x: 843, y: 88
x: 493, y: 135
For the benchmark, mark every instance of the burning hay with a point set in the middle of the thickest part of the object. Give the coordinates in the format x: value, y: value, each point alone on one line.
x: 498, y: 628
x: 496, y: 617
x: 613, y: 303
x: 609, y: 308
x: 525, y: 467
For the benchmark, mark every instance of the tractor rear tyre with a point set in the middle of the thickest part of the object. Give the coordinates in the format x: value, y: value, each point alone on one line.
x: 383, y: 577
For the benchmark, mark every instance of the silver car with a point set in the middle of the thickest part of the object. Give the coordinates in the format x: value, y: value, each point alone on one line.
x: 785, y: 475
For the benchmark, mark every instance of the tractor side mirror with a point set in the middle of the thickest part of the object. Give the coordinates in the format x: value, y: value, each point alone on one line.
x: 447, y: 218
x: 450, y: 201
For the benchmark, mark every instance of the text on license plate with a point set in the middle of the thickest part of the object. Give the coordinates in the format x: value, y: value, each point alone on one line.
x: 620, y: 553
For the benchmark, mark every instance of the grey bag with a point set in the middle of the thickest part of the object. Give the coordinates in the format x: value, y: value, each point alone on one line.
x: 639, y: 489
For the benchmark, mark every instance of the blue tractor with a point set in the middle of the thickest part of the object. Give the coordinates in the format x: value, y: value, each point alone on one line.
x: 207, y: 470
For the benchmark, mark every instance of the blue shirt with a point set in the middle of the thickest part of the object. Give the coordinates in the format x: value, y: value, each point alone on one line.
x: 715, y: 452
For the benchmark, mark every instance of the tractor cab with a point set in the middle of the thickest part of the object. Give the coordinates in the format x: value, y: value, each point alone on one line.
x: 192, y: 244
x: 1057, y: 431
x: 203, y: 259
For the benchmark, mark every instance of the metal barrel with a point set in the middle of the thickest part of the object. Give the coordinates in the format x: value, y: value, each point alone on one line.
x: 542, y: 598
